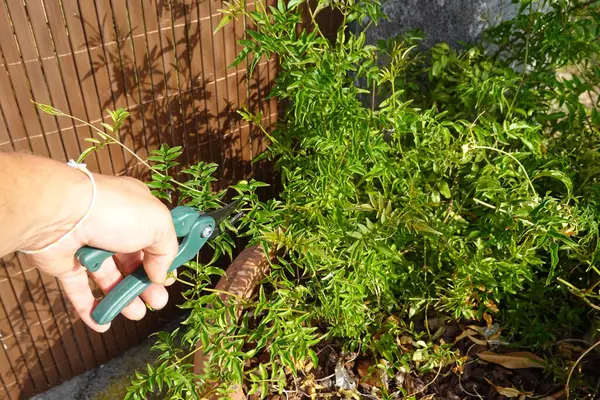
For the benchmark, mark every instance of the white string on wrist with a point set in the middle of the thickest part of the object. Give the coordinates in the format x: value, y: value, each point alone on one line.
x: 82, y: 168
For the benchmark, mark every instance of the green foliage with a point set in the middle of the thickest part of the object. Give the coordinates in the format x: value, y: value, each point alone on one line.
x: 462, y: 181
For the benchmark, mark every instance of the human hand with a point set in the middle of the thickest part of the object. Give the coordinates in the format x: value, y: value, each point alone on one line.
x: 125, y: 219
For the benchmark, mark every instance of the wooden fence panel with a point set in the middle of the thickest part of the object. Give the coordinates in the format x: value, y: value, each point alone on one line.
x: 158, y: 59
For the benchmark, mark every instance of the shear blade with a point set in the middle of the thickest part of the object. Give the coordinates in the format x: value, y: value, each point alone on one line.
x: 222, y: 214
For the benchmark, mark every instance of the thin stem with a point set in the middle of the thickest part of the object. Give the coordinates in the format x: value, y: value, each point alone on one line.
x: 184, y: 282
x: 512, y: 157
x: 198, y: 348
x: 103, y: 134
x: 483, y: 203
x: 581, y: 357
x: 213, y: 290
x: 412, y: 395
x: 579, y: 293
x: 314, y: 21
x: 226, y: 293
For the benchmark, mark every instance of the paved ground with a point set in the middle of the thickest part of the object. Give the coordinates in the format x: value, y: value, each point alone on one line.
x: 110, y: 380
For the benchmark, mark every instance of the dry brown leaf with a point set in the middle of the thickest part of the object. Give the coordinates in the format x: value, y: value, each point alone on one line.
x: 509, y: 391
x: 492, y: 306
x: 369, y: 377
x: 496, y: 335
x: 488, y: 319
x: 405, y: 340
x: 402, y: 341
x: 363, y: 367
x: 554, y: 396
x: 467, y: 332
x: 516, y: 360
x: 481, y: 342
x: 477, y: 329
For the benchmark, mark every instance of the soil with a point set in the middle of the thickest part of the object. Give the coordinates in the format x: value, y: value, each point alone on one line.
x: 352, y: 376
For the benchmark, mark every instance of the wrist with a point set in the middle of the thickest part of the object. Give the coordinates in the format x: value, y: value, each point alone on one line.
x: 47, y: 198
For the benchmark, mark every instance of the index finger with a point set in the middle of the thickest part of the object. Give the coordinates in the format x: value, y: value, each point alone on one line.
x: 160, y: 254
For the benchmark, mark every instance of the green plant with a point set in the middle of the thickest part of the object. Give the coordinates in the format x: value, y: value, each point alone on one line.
x: 467, y: 185
x: 457, y: 181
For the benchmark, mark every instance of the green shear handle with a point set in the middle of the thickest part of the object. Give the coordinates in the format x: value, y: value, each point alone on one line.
x: 195, y: 228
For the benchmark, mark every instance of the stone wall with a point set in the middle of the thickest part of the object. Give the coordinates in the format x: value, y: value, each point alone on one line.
x: 451, y: 21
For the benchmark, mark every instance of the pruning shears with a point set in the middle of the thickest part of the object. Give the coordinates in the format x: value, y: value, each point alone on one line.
x: 193, y: 228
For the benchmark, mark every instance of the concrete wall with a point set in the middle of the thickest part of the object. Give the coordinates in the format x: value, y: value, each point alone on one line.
x: 451, y: 21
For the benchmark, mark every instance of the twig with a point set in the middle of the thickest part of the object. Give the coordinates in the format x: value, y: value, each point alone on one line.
x: 426, y: 386
x: 483, y: 203
x: 467, y: 392
x: 572, y: 341
x: 327, y: 377
x: 116, y: 141
x: 545, y: 395
x: 581, y: 357
x: 514, y: 159
x: 578, y: 292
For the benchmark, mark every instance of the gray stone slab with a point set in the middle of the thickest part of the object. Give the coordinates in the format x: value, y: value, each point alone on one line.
x: 450, y: 21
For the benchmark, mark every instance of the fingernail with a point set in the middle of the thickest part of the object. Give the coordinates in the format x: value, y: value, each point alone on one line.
x: 169, y: 281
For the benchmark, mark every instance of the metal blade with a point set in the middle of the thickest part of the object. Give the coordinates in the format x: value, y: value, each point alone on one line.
x: 222, y: 214
x: 232, y: 220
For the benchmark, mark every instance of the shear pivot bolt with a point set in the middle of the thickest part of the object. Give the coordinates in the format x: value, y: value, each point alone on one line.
x: 206, y: 232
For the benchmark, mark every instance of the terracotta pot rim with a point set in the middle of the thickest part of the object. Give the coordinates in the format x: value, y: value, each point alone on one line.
x: 241, y: 278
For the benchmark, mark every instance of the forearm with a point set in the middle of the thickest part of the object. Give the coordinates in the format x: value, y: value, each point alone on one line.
x: 34, y: 200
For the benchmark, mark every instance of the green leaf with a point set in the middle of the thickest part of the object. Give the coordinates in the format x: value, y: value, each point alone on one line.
x: 84, y: 154
x: 241, y: 56
x: 49, y: 109
x: 226, y: 19
x: 554, y: 262
x: 559, y: 175
x: 238, y: 371
x: 444, y: 189
x: 108, y: 127
x: 292, y: 4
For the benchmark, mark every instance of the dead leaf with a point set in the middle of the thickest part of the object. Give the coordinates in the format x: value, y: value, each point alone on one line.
x: 405, y: 340
x: 488, y: 319
x: 569, y: 349
x: 509, y: 391
x: 467, y: 332
x: 471, y: 332
x: 477, y: 329
x: 480, y: 342
x: 369, y: 377
x: 496, y: 335
x: 554, y: 396
x: 363, y: 367
x: 492, y: 306
x: 516, y: 360
x: 402, y: 341
x: 558, y: 394
x: 343, y: 380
